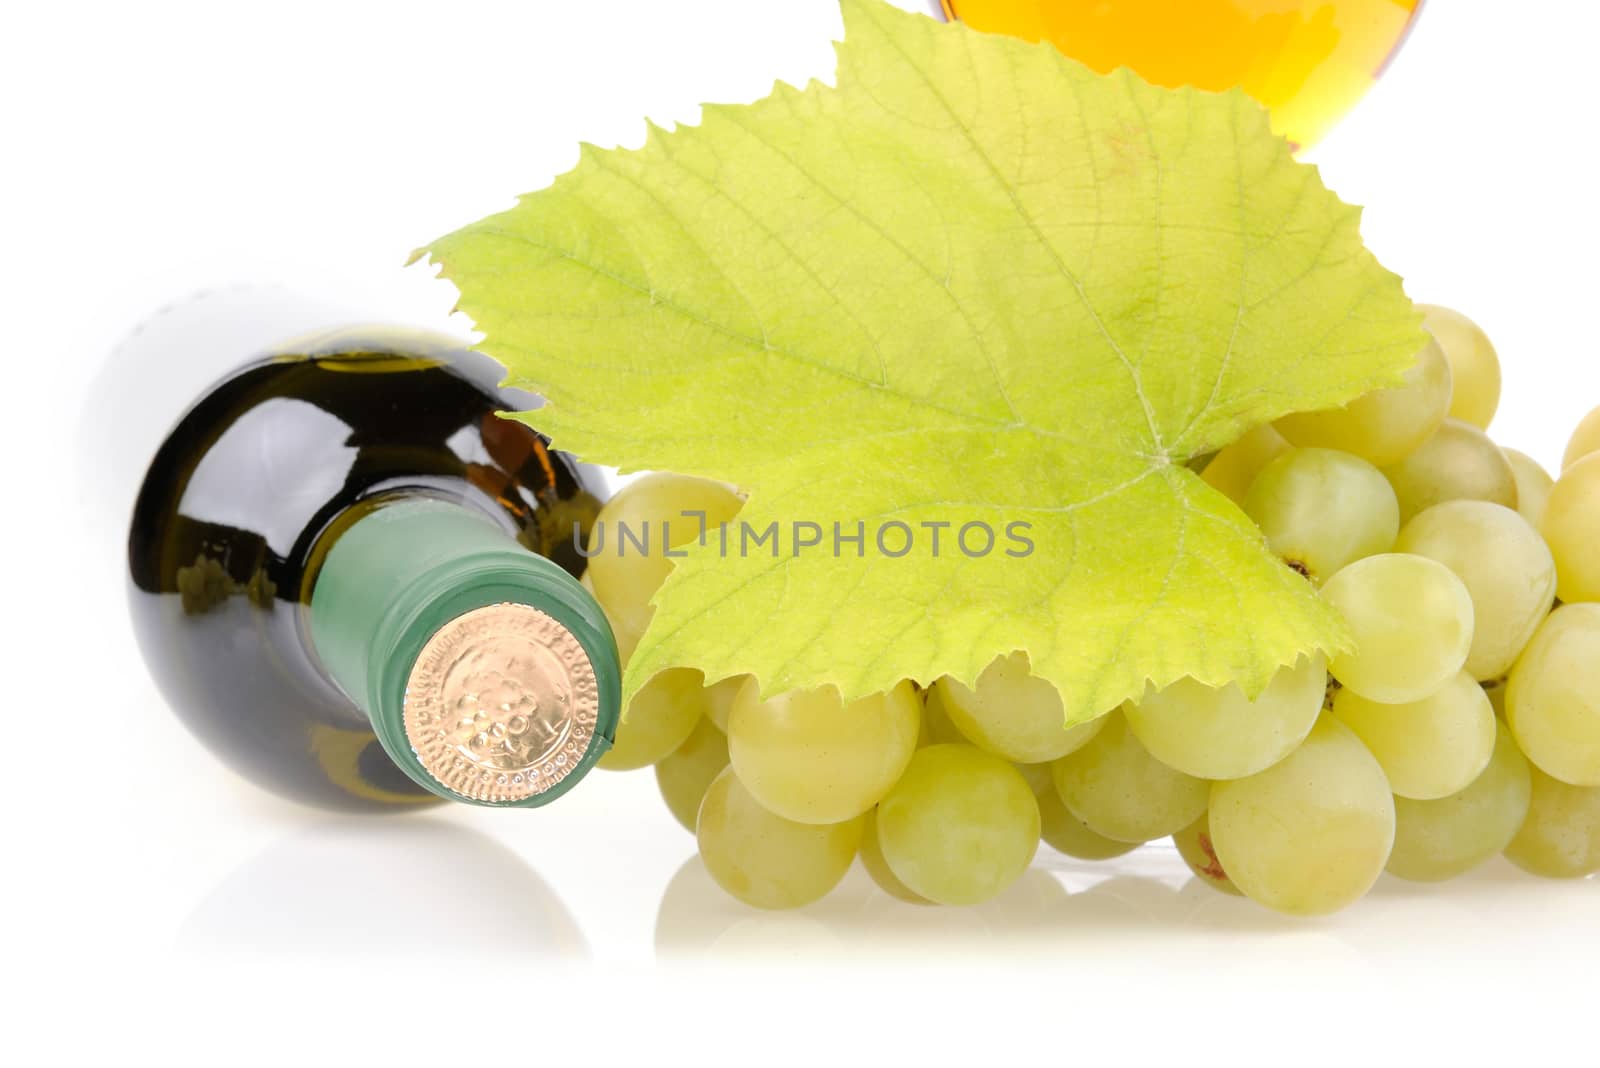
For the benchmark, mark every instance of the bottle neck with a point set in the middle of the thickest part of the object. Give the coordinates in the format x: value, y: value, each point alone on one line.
x: 490, y: 675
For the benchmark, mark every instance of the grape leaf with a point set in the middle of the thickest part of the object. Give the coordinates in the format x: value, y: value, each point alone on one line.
x: 973, y: 282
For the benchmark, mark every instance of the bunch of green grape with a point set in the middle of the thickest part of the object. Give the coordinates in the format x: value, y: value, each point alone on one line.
x: 1463, y: 723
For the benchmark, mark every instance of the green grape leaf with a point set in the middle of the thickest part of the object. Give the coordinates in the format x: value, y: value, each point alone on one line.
x: 972, y: 283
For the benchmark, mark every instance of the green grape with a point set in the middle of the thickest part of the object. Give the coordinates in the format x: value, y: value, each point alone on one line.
x: 1438, y: 840
x: 627, y: 640
x: 1383, y: 426
x: 684, y: 774
x: 936, y: 726
x: 810, y: 757
x: 1221, y: 734
x: 1312, y: 833
x: 1038, y: 777
x: 1411, y: 620
x: 1200, y: 854
x: 1571, y: 527
x: 658, y: 719
x: 719, y: 700
x: 1013, y: 713
x: 1533, y: 485
x: 1585, y: 440
x: 1474, y: 366
x: 1458, y: 462
x: 1506, y: 567
x: 627, y: 551
x: 1561, y: 836
x: 1496, y: 692
x: 765, y: 860
x: 1553, y: 696
x: 1066, y: 833
x: 627, y: 636
x: 1430, y: 748
x: 878, y: 869
x: 1235, y: 467
x: 960, y: 826
x: 1055, y: 820
x: 1120, y: 791
x: 1321, y: 509
x: 1060, y: 829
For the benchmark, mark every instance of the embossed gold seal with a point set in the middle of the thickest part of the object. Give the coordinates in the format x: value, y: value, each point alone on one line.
x: 501, y: 703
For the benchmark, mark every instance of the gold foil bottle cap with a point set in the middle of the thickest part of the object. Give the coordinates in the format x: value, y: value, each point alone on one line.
x: 501, y: 703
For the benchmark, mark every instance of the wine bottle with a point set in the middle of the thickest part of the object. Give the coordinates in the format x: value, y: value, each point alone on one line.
x: 354, y: 581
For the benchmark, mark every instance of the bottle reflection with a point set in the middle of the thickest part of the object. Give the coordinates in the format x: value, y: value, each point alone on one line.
x: 358, y: 888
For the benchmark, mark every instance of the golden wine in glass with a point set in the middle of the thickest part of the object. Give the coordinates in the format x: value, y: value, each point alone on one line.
x: 1308, y: 61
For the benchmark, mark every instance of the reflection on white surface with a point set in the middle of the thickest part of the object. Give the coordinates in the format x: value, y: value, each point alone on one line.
x: 1145, y: 910
x: 374, y: 887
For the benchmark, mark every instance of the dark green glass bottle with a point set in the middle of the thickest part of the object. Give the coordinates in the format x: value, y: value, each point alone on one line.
x: 355, y: 582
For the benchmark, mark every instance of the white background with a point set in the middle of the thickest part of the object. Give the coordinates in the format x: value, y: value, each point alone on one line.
x: 156, y: 906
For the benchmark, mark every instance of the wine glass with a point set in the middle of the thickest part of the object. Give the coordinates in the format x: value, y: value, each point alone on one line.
x: 1308, y: 61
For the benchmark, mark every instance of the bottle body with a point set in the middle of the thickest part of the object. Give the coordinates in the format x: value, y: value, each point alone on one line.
x: 246, y: 502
